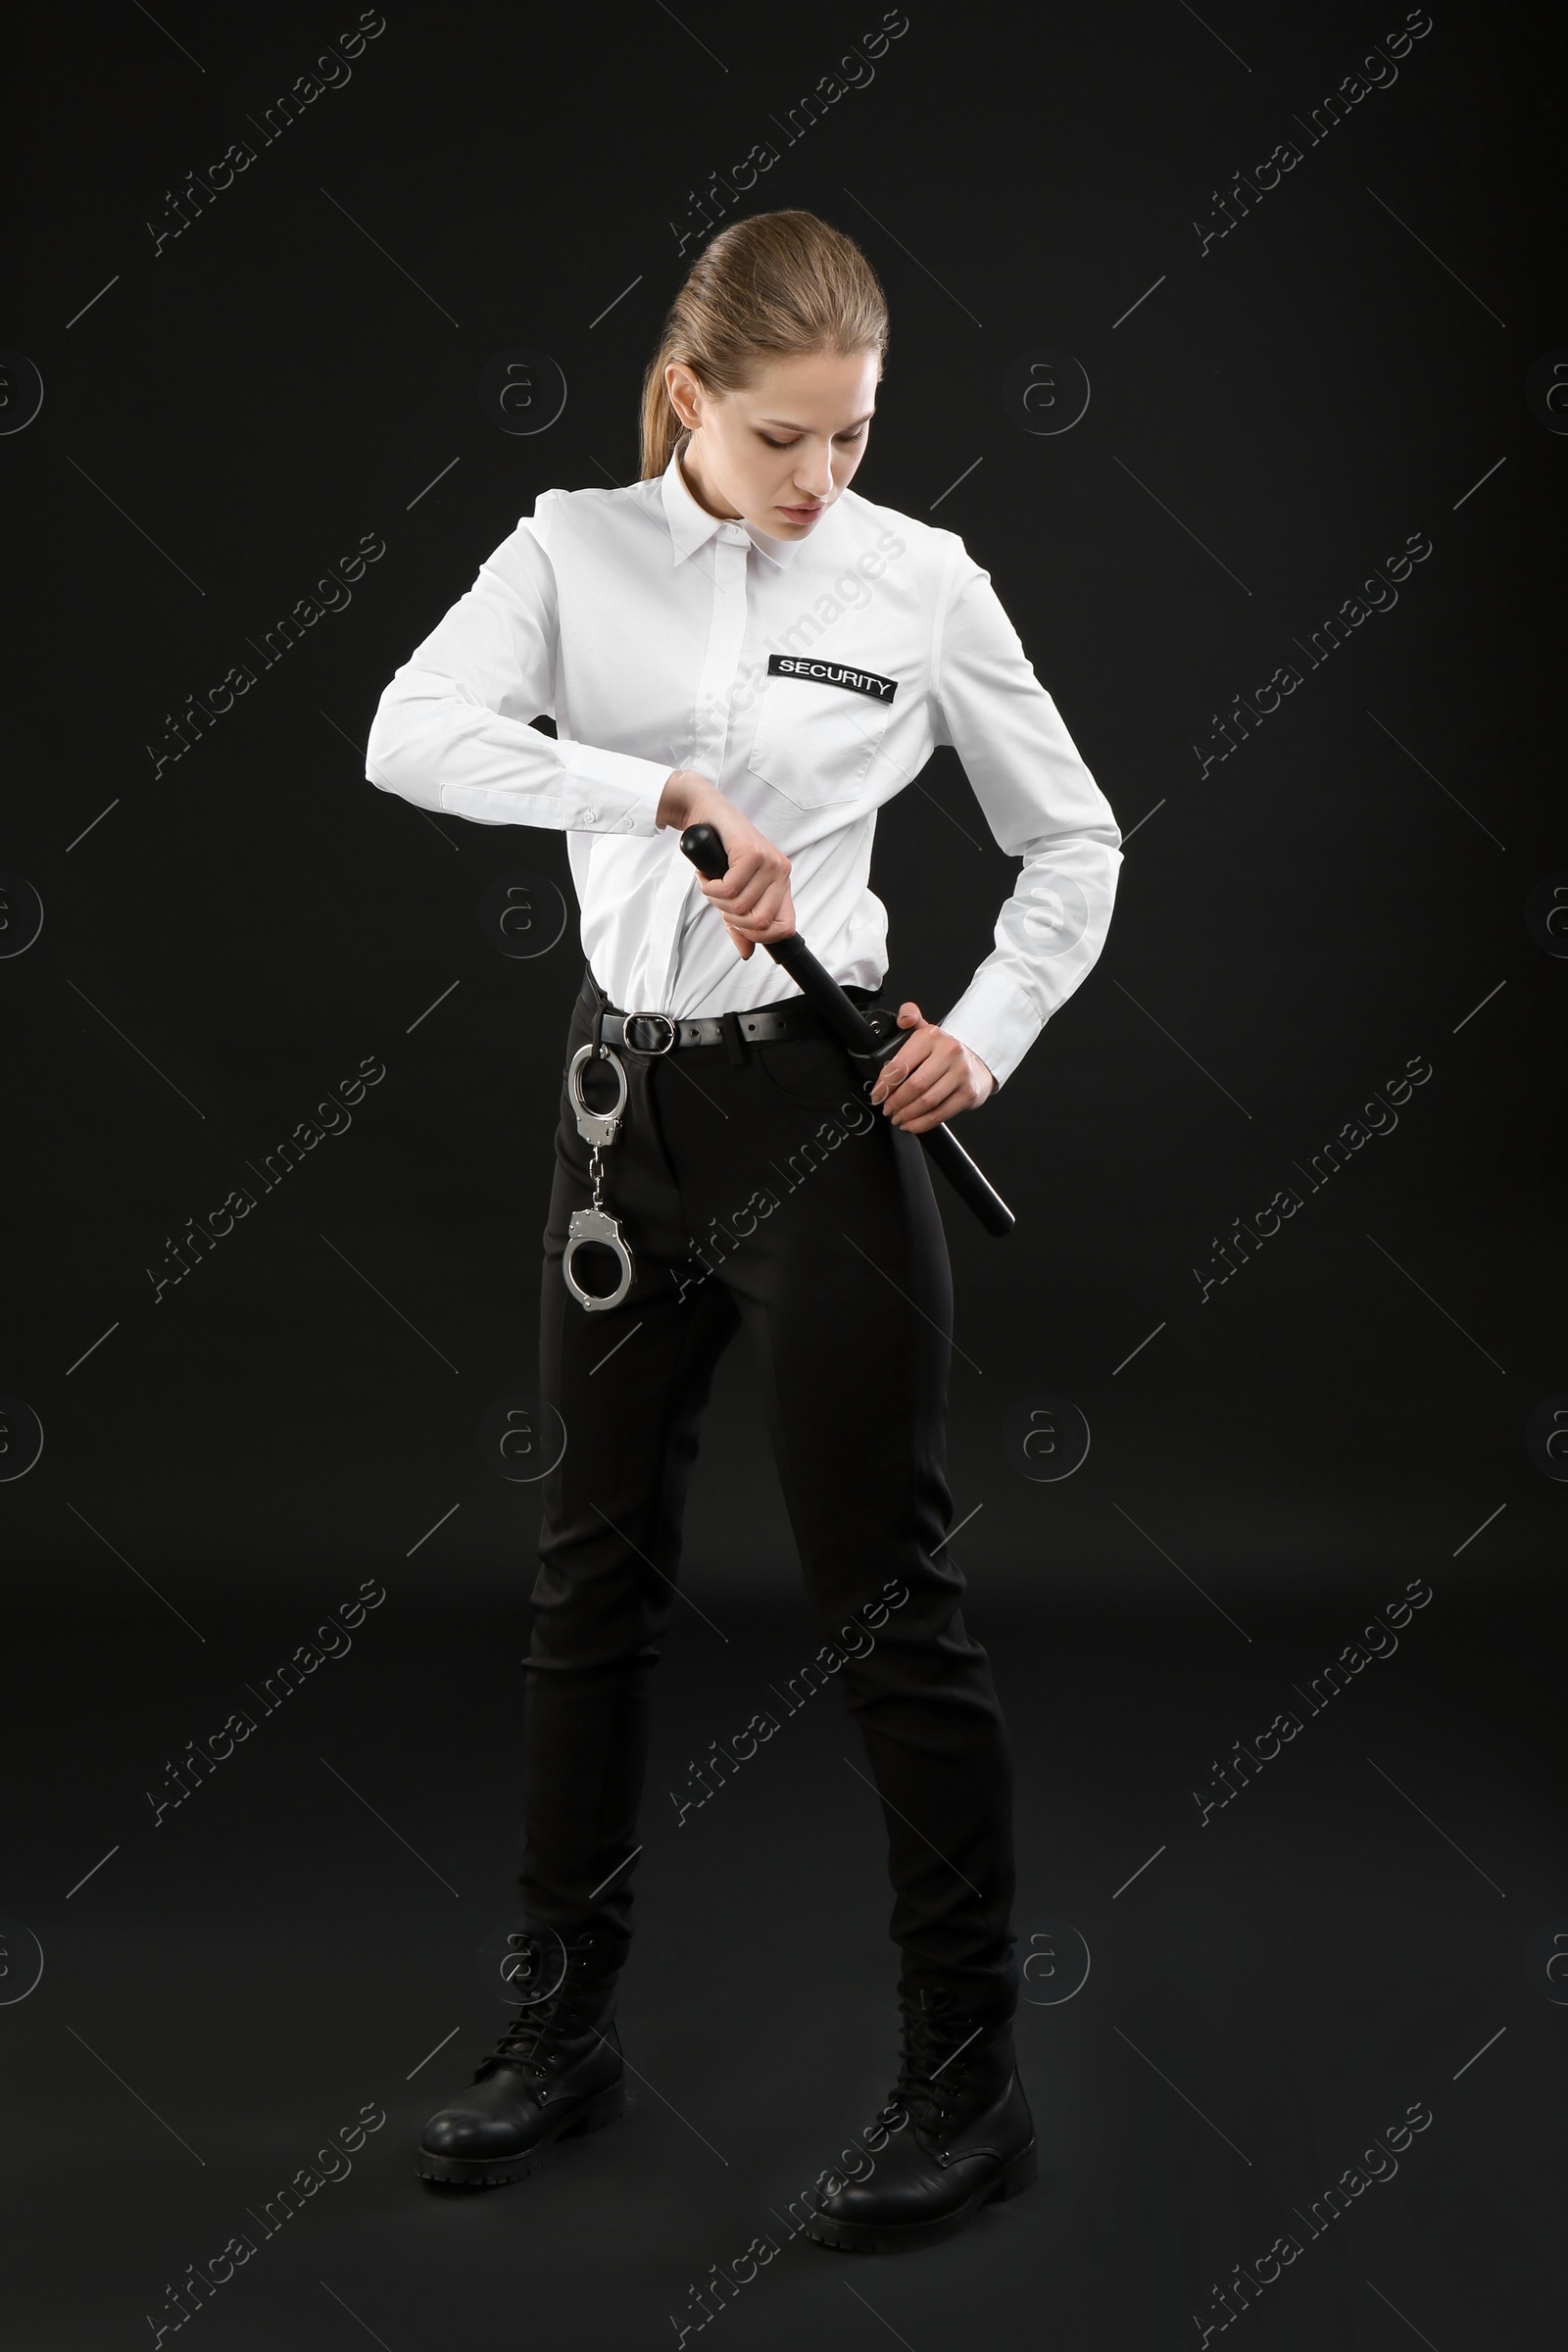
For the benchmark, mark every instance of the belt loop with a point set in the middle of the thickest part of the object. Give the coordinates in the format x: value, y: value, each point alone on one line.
x: 735, y: 1045
x: 601, y: 1001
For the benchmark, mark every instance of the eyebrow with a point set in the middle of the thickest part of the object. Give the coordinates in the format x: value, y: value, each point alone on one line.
x: 785, y: 426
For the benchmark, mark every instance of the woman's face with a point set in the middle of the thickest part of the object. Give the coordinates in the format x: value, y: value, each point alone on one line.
x: 781, y: 452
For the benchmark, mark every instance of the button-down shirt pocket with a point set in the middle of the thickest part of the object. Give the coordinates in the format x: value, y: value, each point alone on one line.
x: 814, y: 742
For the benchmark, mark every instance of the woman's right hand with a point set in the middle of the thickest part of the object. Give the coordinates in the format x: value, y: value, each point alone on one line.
x: 754, y: 895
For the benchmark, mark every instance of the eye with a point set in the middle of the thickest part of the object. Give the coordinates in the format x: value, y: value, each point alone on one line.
x: 859, y: 434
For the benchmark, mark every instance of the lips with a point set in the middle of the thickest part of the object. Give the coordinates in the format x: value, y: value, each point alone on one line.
x: 803, y: 513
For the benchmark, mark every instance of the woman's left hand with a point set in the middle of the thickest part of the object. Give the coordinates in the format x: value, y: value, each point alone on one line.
x: 932, y: 1077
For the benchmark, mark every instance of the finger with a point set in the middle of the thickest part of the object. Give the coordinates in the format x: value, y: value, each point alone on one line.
x: 909, y: 1015
x: 913, y: 1047
x: 782, y: 925
x: 766, y: 901
x: 727, y: 887
x: 772, y: 915
x: 925, y: 1120
x: 756, y: 928
x: 941, y: 1099
x: 903, y: 1064
x: 746, y: 899
x: 933, y: 1080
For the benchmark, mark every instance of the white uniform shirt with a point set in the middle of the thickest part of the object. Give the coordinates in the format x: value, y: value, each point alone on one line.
x: 809, y: 680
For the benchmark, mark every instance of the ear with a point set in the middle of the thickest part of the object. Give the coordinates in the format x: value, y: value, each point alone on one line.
x: 684, y: 392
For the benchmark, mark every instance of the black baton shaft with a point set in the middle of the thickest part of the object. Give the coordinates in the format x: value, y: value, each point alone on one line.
x: 705, y: 849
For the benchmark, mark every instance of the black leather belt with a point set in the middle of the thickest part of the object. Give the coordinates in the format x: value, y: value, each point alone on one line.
x: 659, y: 1032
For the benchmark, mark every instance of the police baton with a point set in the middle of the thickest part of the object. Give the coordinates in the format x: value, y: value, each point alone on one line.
x: 705, y: 849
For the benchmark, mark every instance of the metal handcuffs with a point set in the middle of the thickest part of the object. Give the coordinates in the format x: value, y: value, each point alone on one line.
x: 596, y: 1224
x: 597, y: 1129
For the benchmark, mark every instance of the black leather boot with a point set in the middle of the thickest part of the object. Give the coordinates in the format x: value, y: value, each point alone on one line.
x: 957, y: 2132
x: 555, y: 2072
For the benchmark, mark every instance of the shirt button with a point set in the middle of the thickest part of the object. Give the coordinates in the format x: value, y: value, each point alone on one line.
x: 590, y: 816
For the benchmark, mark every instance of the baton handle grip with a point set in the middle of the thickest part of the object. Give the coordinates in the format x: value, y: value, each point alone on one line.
x: 816, y: 984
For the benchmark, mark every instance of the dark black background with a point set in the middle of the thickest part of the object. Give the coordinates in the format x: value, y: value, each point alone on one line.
x: 231, y: 938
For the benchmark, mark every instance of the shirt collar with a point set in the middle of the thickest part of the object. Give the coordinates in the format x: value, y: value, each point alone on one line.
x: 691, y: 526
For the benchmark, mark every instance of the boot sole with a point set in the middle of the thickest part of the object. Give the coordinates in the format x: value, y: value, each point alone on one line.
x: 495, y: 2172
x: 899, y: 2238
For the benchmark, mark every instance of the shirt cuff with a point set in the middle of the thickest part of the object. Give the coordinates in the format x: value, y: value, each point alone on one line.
x: 609, y: 792
x: 995, y: 1019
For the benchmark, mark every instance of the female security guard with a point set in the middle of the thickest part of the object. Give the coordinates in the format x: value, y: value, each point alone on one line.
x: 739, y: 640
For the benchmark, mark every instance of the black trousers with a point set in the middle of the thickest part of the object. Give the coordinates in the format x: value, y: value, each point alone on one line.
x: 757, y: 1185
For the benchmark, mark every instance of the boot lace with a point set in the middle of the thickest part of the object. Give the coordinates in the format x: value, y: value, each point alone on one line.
x: 931, y: 2068
x: 532, y: 2040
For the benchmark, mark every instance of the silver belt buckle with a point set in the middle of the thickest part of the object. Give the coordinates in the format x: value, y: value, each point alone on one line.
x: 625, y: 1026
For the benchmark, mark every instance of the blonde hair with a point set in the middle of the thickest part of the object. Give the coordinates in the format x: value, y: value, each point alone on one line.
x: 779, y: 284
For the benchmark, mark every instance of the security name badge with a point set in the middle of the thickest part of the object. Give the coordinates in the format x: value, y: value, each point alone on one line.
x: 833, y: 673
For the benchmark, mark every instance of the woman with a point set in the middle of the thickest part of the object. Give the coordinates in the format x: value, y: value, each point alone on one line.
x: 737, y: 640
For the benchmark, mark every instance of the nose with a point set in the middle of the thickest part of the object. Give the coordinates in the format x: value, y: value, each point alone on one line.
x: 814, y: 477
